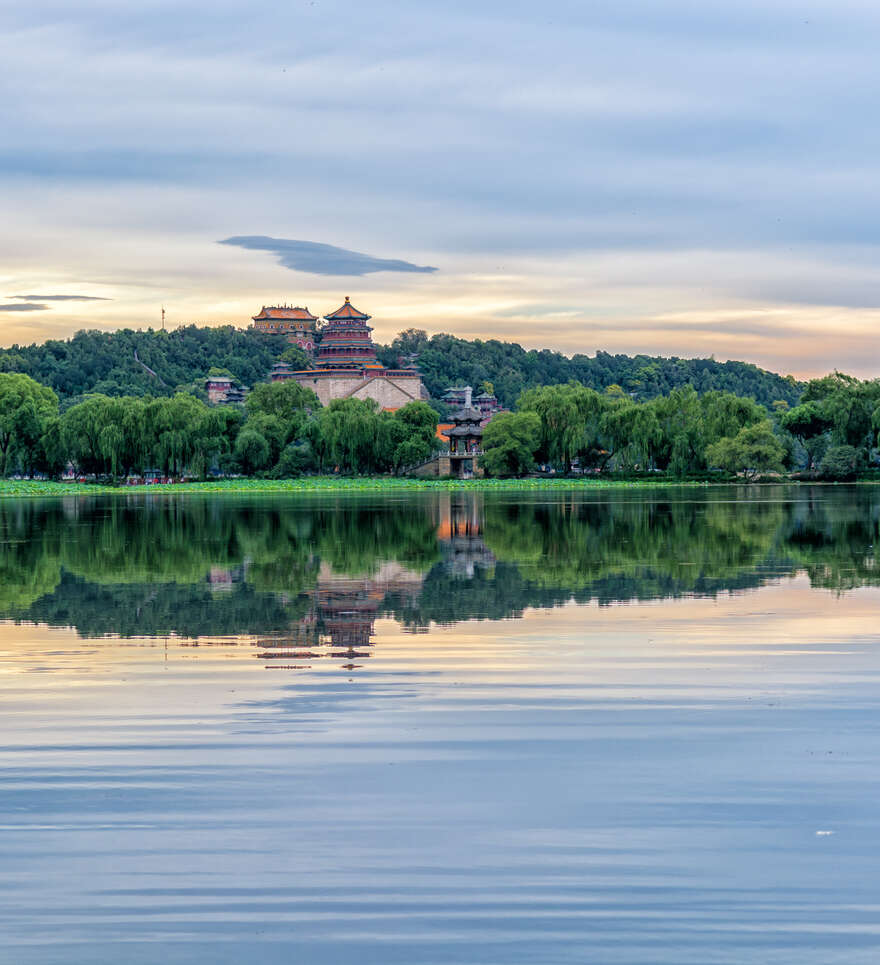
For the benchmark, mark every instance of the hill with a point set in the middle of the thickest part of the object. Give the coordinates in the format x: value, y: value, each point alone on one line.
x: 130, y: 362
x: 445, y: 360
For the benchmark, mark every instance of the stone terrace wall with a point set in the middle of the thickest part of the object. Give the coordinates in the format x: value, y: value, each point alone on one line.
x: 391, y: 392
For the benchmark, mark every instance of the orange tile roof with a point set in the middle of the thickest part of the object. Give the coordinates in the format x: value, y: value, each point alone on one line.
x: 303, y: 314
x: 346, y: 311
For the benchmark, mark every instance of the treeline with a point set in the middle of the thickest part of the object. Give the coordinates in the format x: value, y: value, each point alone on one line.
x: 445, y: 360
x: 159, y: 363
x: 282, y: 431
x: 833, y: 433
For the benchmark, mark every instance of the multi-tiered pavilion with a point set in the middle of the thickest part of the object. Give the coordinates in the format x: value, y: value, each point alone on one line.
x: 346, y: 342
x: 346, y: 365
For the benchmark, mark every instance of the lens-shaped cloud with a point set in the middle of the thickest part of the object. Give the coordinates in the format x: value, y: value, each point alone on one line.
x: 319, y: 259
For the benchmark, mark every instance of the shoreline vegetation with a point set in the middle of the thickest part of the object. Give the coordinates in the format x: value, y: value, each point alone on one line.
x: 283, y: 432
x: 11, y: 488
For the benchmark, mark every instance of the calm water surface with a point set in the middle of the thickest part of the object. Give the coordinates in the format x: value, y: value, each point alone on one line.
x: 635, y: 727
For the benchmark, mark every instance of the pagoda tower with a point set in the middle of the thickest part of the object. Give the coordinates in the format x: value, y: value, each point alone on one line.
x: 346, y: 342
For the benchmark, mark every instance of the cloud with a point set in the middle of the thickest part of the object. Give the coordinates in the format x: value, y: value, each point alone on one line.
x: 24, y: 307
x: 320, y: 259
x: 60, y: 298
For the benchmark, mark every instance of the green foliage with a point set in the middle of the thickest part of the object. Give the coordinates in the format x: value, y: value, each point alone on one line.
x: 296, y: 358
x: 753, y: 450
x: 841, y: 462
x: 296, y: 459
x: 445, y: 360
x: 141, y: 363
x: 252, y: 450
x: 26, y: 409
x: 118, y: 436
x: 417, y: 440
x: 346, y: 436
x: 120, y: 414
x: 838, y: 410
x: 510, y: 441
x: 670, y: 433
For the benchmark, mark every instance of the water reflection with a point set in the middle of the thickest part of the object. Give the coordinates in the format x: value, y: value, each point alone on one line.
x: 309, y: 577
x: 653, y: 781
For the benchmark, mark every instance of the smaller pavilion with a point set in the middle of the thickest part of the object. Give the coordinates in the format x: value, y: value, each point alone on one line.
x: 465, y: 440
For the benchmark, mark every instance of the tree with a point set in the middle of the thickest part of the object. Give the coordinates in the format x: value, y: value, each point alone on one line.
x: 510, y: 441
x: 252, y: 450
x: 273, y: 429
x: 418, y: 422
x: 680, y: 417
x: 296, y: 459
x: 93, y: 435
x: 724, y: 414
x: 848, y: 404
x: 753, y: 450
x: 570, y: 421
x: 184, y: 434
x: 634, y: 433
x: 25, y: 410
x: 841, y: 462
x: 296, y: 358
x: 807, y: 423
x: 349, y: 429
x: 287, y: 400
x: 279, y: 412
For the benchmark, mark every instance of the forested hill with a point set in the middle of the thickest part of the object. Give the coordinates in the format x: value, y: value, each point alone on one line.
x: 445, y: 360
x: 129, y: 362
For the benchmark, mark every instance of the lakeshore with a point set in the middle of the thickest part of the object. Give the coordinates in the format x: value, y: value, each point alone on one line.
x: 14, y: 488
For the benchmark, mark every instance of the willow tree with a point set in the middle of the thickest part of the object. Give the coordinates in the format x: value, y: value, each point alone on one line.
x: 25, y: 410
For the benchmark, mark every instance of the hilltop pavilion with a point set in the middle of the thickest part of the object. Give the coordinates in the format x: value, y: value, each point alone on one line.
x: 298, y: 324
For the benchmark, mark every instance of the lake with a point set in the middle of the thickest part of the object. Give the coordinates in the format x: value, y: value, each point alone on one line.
x: 630, y: 726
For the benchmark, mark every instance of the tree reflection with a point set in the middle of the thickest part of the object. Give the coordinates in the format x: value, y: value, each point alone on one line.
x: 312, y: 576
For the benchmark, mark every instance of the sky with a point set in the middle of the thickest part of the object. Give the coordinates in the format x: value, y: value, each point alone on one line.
x: 677, y: 177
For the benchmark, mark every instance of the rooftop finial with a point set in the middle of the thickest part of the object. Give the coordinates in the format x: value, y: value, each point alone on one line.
x: 346, y: 298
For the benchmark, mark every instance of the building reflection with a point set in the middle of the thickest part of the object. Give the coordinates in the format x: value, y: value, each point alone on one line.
x: 340, y: 621
x: 460, y: 534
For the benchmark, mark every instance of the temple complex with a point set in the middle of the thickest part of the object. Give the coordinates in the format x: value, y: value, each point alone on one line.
x: 346, y: 365
x: 298, y: 324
